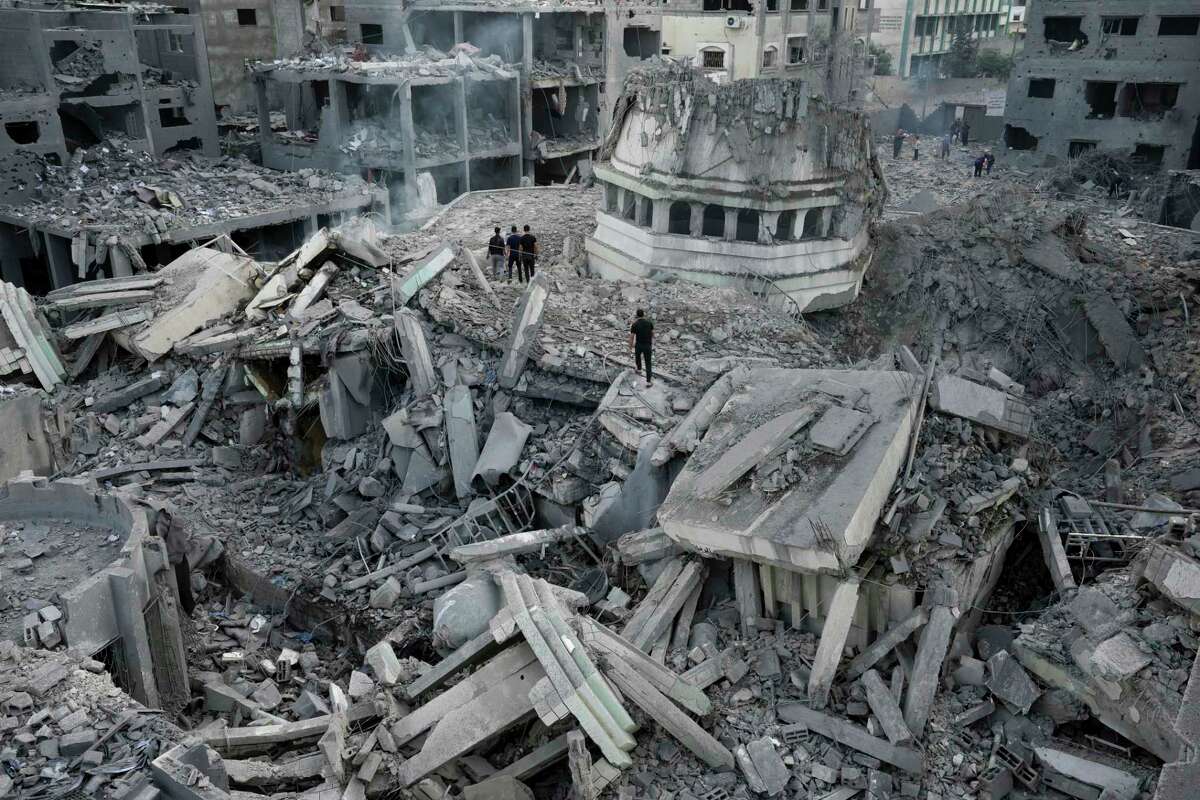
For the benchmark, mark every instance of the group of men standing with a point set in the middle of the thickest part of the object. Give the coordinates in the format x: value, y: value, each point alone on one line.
x: 521, y: 249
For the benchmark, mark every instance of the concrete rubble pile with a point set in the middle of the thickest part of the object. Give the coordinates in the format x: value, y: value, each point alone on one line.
x: 446, y: 541
x: 427, y: 62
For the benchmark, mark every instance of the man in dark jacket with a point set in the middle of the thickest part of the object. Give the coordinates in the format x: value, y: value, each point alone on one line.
x: 496, y: 253
x: 529, y: 251
x: 641, y: 342
x: 513, y: 243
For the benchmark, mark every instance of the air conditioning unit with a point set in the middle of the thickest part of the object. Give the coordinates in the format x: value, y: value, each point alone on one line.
x: 735, y: 22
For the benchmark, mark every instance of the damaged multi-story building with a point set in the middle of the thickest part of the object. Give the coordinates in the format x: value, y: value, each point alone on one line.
x: 754, y: 184
x: 1104, y: 75
x: 76, y: 74
x: 437, y: 99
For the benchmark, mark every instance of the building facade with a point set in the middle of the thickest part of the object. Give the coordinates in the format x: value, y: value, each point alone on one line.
x: 754, y: 184
x: 1108, y: 75
x: 810, y: 40
x: 72, y: 76
x: 918, y: 33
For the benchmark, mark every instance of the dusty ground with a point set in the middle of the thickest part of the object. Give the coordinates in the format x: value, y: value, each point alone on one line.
x: 42, y: 559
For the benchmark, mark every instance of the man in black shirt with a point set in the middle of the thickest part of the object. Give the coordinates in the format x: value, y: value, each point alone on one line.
x: 529, y: 251
x: 496, y: 253
x: 641, y: 342
x: 513, y: 243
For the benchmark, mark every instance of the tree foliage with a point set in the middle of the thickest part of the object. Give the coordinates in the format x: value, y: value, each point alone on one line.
x: 961, y: 61
x: 994, y: 64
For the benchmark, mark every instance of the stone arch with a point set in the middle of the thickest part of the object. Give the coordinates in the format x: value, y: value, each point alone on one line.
x: 814, y: 224
x: 785, y: 226
x: 747, y: 225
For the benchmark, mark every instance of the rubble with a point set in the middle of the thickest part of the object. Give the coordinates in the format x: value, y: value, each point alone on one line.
x: 445, y: 541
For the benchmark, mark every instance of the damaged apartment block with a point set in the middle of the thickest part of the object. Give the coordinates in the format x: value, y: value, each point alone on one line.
x: 1106, y: 76
x: 77, y: 75
x: 755, y: 184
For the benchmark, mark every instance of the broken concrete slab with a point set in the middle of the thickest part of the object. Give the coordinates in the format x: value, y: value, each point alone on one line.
x: 978, y: 403
x: 853, y: 736
x: 1119, y: 341
x: 421, y: 374
x: 205, y: 285
x: 686, y: 435
x: 885, y: 708
x: 527, y: 321
x: 750, y: 450
x: 503, y: 448
x: 462, y: 438
x: 1124, y: 785
x: 1009, y: 682
x: 1118, y: 658
x: 383, y: 662
x: 434, y: 264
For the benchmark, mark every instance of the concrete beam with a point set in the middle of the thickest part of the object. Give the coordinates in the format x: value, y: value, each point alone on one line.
x: 927, y: 668
x: 838, y: 618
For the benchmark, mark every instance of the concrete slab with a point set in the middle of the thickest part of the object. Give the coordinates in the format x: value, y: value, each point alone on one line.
x: 462, y: 437
x: 839, y: 429
x: 962, y: 398
x: 840, y: 496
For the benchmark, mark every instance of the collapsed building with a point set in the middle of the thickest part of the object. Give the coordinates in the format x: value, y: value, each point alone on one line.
x: 1096, y: 76
x: 754, y: 183
x: 444, y: 540
x: 80, y: 74
x: 456, y: 121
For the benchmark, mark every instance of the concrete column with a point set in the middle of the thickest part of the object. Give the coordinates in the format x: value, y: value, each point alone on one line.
x: 460, y: 123
x: 118, y: 263
x: 265, y: 141
x: 639, y: 214
x: 619, y: 211
x: 408, y: 135
x: 614, y: 36
x: 58, y: 256
x: 767, y: 220
x: 697, y: 222
x: 339, y: 111
x: 516, y: 131
x: 135, y: 642
x: 458, y: 27
x: 527, y: 93
x: 730, y: 224
x: 660, y: 219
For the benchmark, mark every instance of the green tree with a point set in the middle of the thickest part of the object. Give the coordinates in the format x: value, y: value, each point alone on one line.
x: 883, y: 60
x: 994, y: 63
x: 962, y: 60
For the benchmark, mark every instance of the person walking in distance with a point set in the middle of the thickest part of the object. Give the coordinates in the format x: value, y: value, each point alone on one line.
x: 171, y: 530
x: 529, y: 251
x: 916, y: 147
x: 641, y: 342
x: 897, y: 142
x: 945, y: 146
x: 966, y: 133
x: 496, y: 253
x: 513, y: 243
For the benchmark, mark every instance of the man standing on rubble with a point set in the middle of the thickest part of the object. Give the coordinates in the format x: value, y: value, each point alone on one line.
x: 897, y: 142
x: 496, y: 253
x: 171, y: 530
x: 966, y: 133
x: 641, y: 342
x: 529, y: 251
x: 513, y: 243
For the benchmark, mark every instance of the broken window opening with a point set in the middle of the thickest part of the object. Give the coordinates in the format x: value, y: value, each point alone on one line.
x: 1041, y: 87
x: 337, y: 13
x: 371, y: 33
x: 172, y: 117
x: 27, y: 132
x: 712, y: 58
x: 1147, y: 100
x: 747, y: 225
x: 610, y: 198
x: 785, y: 226
x: 641, y: 43
x: 174, y: 42
x: 1019, y: 138
x: 1149, y: 153
x: 1065, y: 30
x: 1178, y: 26
x: 62, y: 48
x: 814, y: 224
x: 770, y: 56
x: 247, y: 17
x: 822, y: 5
x: 799, y: 5
x: 714, y: 222
x: 1119, y: 26
x: 1078, y: 147
x: 796, y: 49
x: 772, y: 6
x: 713, y: 5
x: 1101, y: 97
x: 679, y: 218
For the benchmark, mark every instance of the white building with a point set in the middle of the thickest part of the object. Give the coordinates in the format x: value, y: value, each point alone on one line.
x: 918, y: 33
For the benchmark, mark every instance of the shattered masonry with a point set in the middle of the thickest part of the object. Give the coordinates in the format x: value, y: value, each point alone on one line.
x: 753, y: 182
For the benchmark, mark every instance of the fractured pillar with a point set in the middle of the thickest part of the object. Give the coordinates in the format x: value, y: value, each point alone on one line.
x: 833, y: 641
x: 462, y: 437
x: 927, y: 668
x: 416, y: 353
x: 527, y: 321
